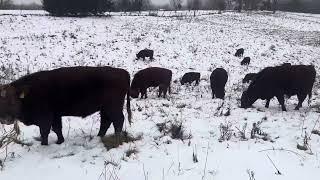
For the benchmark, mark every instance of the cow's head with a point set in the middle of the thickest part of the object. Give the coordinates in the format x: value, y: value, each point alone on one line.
x: 247, y: 99
x: 10, y: 103
x: 135, y: 87
x: 220, y: 93
x: 137, y: 56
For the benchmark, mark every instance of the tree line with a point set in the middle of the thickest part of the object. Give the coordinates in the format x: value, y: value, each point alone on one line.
x: 98, y: 7
x: 8, y: 4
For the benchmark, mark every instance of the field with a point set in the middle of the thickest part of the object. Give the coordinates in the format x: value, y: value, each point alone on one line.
x: 216, y: 143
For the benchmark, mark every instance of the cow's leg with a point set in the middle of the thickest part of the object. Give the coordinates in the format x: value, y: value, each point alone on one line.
x: 118, y: 120
x: 143, y: 93
x: 301, y: 98
x: 105, y: 123
x: 281, y: 101
x: 57, y: 128
x: 212, y: 93
x: 160, y: 90
x: 165, y: 89
x: 267, y: 103
x: 197, y: 82
x: 45, y: 123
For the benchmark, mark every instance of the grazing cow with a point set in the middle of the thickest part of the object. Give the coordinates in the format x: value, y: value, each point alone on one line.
x: 145, y: 53
x: 190, y: 77
x: 42, y: 98
x: 218, y: 80
x: 245, y: 61
x: 239, y: 52
x: 151, y: 77
x: 279, y: 81
x: 249, y: 77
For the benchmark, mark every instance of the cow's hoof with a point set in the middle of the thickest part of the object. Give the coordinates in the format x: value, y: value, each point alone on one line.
x: 60, y: 141
x: 37, y: 138
x: 100, y: 135
x: 44, y: 143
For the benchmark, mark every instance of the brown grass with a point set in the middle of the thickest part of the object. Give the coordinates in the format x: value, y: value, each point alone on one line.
x: 111, y: 141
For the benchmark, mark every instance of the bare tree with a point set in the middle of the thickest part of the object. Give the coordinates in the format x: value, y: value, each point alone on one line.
x: 196, y: 4
x: 139, y: 5
x: 274, y: 6
x: 240, y: 3
x: 221, y: 5
x: 5, y: 4
x: 124, y: 5
x: 176, y: 4
x: 189, y: 4
x: 136, y: 5
x: 251, y: 4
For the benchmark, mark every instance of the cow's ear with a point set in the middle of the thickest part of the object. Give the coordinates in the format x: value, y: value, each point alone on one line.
x: 23, y: 91
x: 22, y: 95
x: 4, y: 90
x: 3, y: 93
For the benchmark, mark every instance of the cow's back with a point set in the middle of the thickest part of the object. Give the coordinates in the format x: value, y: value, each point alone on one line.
x: 219, y: 77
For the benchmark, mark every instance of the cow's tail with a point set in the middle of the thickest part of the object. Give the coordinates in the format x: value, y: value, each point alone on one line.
x: 129, y: 108
x: 313, y: 79
x: 170, y: 83
x: 128, y: 100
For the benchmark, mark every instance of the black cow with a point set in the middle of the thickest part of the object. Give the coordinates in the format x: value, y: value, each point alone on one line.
x: 151, y: 77
x: 190, y: 77
x: 218, y: 80
x: 245, y: 61
x: 42, y: 98
x: 239, y: 52
x: 279, y: 81
x: 145, y: 53
x: 249, y: 77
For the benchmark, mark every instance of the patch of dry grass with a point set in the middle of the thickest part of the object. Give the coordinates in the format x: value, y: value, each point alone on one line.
x: 111, y: 141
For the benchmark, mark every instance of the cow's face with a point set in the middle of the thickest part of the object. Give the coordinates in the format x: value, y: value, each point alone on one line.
x: 10, y: 104
x: 134, y: 93
x: 246, y: 100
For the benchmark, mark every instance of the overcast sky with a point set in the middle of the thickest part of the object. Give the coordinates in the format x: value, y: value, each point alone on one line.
x: 160, y: 2
x: 157, y: 2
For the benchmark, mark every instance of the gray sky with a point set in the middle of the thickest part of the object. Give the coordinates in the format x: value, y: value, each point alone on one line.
x: 159, y: 2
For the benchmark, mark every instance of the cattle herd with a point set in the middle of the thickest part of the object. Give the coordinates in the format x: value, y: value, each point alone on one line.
x: 42, y: 98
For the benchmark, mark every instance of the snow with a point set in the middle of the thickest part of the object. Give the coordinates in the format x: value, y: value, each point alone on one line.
x: 35, y: 42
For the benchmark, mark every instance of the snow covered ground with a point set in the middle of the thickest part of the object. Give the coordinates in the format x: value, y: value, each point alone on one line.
x: 34, y: 42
